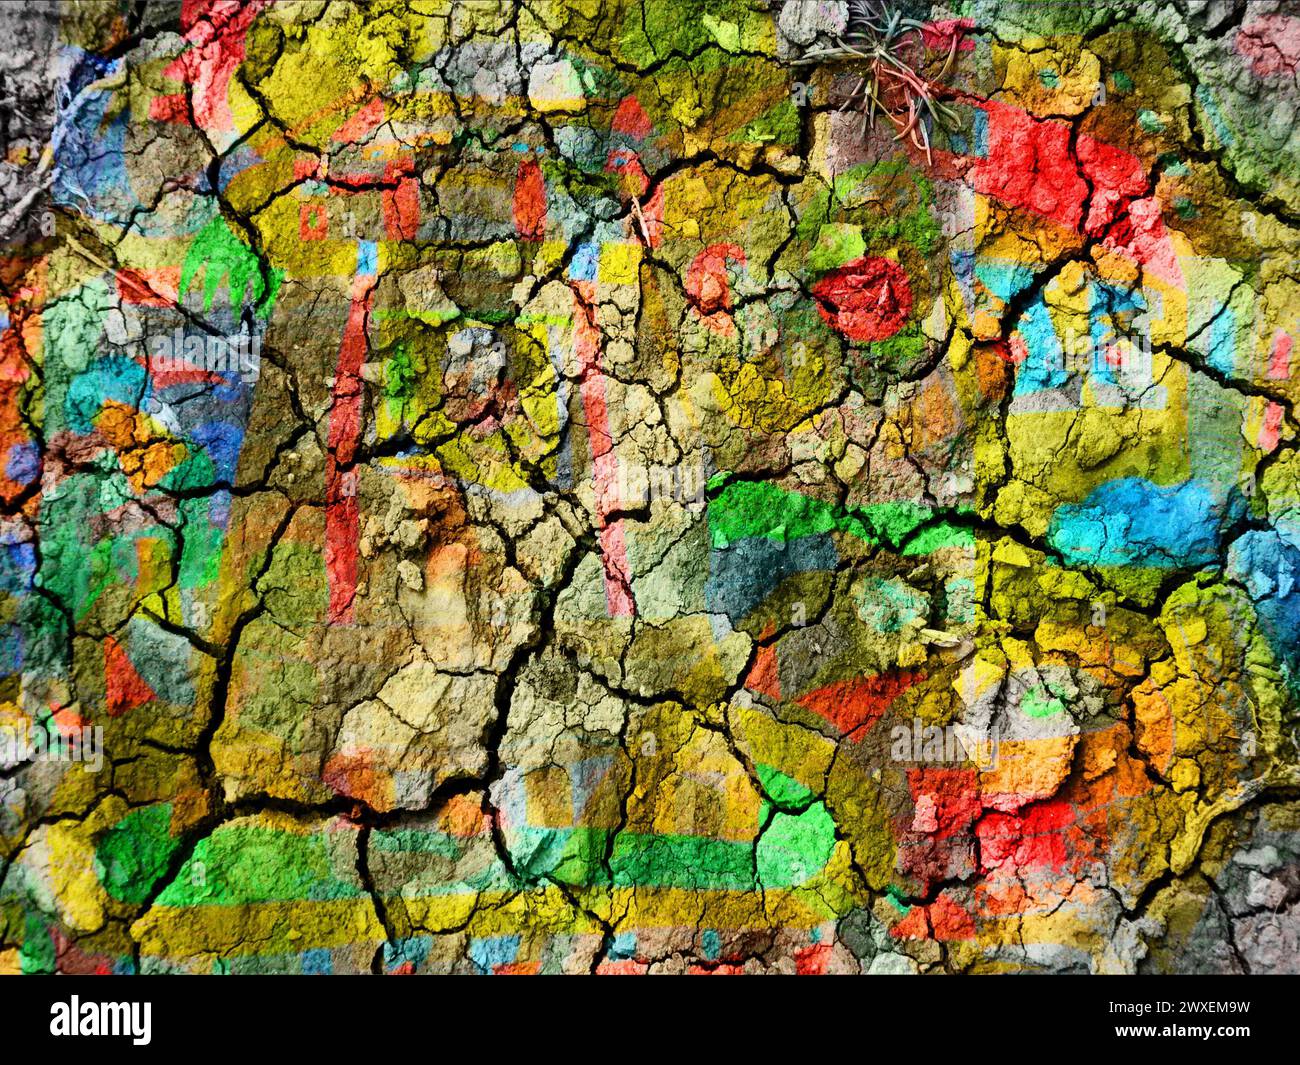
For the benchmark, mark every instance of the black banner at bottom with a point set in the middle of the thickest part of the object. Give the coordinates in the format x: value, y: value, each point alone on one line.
x: 362, y: 1014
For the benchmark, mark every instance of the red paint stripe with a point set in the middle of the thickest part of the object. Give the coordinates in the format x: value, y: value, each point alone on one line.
x: 342, y: 517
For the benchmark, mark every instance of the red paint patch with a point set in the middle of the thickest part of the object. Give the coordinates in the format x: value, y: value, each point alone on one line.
x: 622, y: 968
x: 126, y: 689
x: 1268, y: 433
x: 950, y: 920
x: 149, y: 288
x: 1279, y: 363
x: 1032, y: 840
x: 67, y: 720
x: 726, y: 969
x: 814, y: 960
x: 867, y: 299
x: 631, y: 119
x: 530, y: 201
x: 952, y: 795
x: 214, y: 32
x: 342, y: 514
x: 708, y: 287
x: 401, y: 204
x: 1028, y: 165
x: 854, y: 705
x: 517, y: 968
x: 313, y: 221
x: 948, y: 33
x: 944, y: 919
x: 763, y: 677
x: 912, y: 926
x: 364, y: 121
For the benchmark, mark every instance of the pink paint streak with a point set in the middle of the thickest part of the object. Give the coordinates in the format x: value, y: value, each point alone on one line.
x: 1271, y: 43
x: 613, y: 543
x: 1279, y: 362
x: 215, y: 31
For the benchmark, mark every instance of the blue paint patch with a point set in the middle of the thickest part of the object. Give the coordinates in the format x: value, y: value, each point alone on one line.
x: 1044, y: 364
x: 411, y: 951
x: 980, y: 131
x: 91, y: 174
x: 235, y: 163
x: 1135, y: 522
x: 11, y: 649
x: 1108, y: 307
x: 746, y: 572
x: 586, y: 261
x: 1222, y: 352
x: 24, y: 462
x: 222, y: 441
x: 1211, y: 107
x: 1267, y: 563
x: 17, y: 567
x: 487, y: 954
x: 367, y: 258
x: 1002, y: 277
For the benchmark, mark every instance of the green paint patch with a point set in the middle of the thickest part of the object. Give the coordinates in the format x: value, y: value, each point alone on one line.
x: 239, y: 865
x: 37, y: 954
x: 133, y: 855
x: 399, y: 376
x: 882, y: 227
x: 1172, y: 165
x: 796, y: 847
x: 223, y: 256
x: 1150, y: 122
x: 692, y: 862
x: 750, y: 508
x: 785, y: 791
x: 1038, y: 702
x: 755, y: 508
x: 837, y: 244
x: 727, y: 34
x: 940, y: 534
x: 895, y: 897
x: 776, y: 125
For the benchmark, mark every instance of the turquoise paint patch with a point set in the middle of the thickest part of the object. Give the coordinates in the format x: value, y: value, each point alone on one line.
x: 1135, y: 522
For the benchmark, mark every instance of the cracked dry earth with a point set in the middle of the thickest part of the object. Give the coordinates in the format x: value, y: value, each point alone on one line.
x: 549, y: 487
